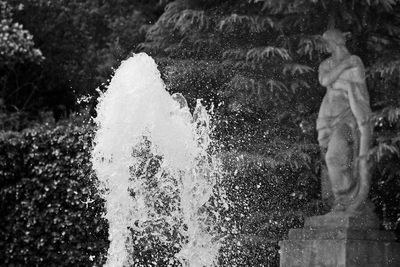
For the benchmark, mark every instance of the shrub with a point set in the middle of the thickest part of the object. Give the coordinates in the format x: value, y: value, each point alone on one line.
x: 49, y: 204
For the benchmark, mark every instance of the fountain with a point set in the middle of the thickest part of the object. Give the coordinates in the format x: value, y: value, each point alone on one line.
x: 156, y: 169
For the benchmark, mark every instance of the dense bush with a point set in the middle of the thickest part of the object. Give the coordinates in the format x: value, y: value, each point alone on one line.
x: 51, y: 214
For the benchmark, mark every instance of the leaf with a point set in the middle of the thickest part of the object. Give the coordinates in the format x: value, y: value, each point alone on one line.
x: 298, y: 83
x: 236, y: 54
x: 189, y: 20
x: 393, y: 115
x: 310, y: 45
x: 276, y: 85
x: 386, y: 4
x: 261, y: 53
x: 294, y: 68
x: 385, y: 68
x: 254, y: 24
x: 384, y: 149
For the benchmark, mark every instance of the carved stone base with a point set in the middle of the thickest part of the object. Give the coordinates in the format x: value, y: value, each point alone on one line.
x: 334, y: 220
x: 334, y: 241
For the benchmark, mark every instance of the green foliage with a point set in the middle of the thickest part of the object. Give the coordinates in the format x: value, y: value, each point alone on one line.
x: 386, y: 152
x: 261, y: 59
x: 51, y: 212
x: 16, y: 43
x: 81, y: 42
x: 268, y: 198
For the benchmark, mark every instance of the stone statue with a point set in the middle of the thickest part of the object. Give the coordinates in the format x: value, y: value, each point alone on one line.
x: 350, y: 234
x: 344, y: 129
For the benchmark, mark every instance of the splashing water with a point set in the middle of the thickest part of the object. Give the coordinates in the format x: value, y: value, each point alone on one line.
x: 153, y: 160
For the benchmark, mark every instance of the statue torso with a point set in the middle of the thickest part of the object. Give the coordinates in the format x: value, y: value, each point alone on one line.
x: 336, y: 101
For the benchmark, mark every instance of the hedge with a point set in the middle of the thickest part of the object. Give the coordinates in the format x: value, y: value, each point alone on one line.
x: 51, y: 214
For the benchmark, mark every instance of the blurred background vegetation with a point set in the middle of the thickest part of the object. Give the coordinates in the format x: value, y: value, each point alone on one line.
x: 255, y: 61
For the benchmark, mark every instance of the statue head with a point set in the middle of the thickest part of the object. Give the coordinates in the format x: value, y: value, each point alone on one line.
x: 333, y: 38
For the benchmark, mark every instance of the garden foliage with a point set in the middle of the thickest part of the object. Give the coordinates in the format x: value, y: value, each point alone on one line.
x: 51, y: 212
x: 257, y: 62
x: 79, y: 41
x: 17, y: 43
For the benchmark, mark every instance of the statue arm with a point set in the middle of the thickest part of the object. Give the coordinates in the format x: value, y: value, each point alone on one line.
x: 327, y: 77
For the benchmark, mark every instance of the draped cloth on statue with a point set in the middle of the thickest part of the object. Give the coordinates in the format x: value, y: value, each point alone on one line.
x: 342, y: 122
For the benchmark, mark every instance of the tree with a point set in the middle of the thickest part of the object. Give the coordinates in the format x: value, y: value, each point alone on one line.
x: 16, y: 42
x: 82, y: 41
x: 16, y: 47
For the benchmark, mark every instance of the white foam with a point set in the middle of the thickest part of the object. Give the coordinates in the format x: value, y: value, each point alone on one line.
x: 136, y: 105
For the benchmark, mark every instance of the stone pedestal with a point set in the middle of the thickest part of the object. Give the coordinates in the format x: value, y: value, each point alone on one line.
x: 340, y: 241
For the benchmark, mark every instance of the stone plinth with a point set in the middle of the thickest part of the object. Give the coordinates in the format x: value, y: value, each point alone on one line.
x: 340, y: 241
x: 339, y: 220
